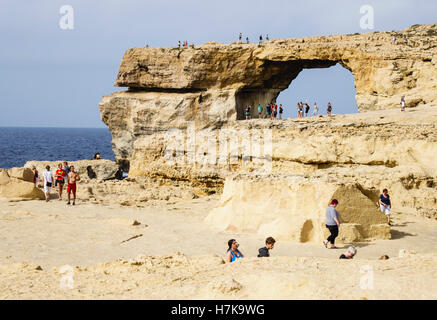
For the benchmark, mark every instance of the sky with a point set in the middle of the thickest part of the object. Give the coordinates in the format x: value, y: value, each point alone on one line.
x: 50, y: 77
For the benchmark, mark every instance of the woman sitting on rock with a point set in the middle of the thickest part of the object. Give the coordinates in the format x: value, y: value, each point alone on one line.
x: 233, y: 252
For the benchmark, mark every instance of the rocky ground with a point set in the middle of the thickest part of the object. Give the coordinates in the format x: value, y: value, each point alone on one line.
x: 166, y: 251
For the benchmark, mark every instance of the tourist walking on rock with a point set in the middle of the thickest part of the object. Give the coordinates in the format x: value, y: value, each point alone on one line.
x: 267, y: 37
x: 316, y: 109
x: 35, y: 176
x: 60, y: 181
x: 261, y: 39
x: 281, y: 110
x: 247, y: 40
x: 385, y: 204
x: 240, y: 37
x: 403, y: 104
x: 332, y: 223
x: 179, y: 44
x: 260, y: 110
x: 48, y: 181
x: 73, y: 177
x: 264, y: 252
x: 329, y: 109
x: 350, y: 253
x: 233, y: 253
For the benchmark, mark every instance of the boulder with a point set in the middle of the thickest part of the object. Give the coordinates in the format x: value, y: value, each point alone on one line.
x: 4, y: 176
x: 25, y: 174
x: 17, y: 188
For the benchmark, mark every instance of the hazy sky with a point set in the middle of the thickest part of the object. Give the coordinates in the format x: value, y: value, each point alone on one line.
x: 54, y: 77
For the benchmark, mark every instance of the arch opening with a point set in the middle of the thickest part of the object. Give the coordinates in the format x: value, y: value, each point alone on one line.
x: 306, y: 81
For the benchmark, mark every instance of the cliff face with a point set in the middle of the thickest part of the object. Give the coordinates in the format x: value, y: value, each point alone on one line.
x: 181, y: 102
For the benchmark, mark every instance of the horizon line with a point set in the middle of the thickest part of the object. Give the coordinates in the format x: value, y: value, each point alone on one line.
x: 50, y: 127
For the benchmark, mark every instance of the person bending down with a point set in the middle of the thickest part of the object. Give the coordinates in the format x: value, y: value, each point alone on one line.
x: 73, y: 177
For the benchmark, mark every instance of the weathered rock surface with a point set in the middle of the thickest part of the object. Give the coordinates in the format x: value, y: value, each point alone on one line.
x: 383, y: 71
x: 293, y: 208
x: 180, y: 103
x: 12, y: 187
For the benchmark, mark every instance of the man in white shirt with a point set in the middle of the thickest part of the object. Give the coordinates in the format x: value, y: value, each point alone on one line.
x: 48, y: 181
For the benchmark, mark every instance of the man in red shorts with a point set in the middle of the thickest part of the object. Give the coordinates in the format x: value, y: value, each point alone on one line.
x: 73, y: 177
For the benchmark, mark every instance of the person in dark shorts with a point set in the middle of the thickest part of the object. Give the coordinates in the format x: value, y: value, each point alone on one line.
x: 60, y: 180
x: 332, y: 223
x: 264, y: 251
x: 233, y: 253
x: 350, y: 253
x: 281, y: 110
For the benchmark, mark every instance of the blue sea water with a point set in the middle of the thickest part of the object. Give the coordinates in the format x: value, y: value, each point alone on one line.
x: 19, y: 145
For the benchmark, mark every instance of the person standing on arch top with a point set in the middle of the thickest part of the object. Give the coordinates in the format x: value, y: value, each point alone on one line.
x: 261, y: 39
x: 332, y: 223
x: 307, y: 109
x: 247, y: 40
x: 315, y: 109
x: 329, y: 109
x: 240, y: 37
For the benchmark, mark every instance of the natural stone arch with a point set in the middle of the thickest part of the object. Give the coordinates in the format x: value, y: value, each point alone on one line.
x: 276, y: 77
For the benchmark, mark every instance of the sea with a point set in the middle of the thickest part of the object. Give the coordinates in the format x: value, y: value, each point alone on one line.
x: 19, y: 145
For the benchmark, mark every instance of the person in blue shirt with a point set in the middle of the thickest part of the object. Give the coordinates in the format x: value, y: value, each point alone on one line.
x: 233, y: 253
x: 385, y: 204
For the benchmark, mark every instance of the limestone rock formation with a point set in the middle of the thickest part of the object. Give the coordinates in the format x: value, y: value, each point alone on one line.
x: 293, y: 208
x: 179, y: 116
x: 25, y: 174
x: 13, y: 187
